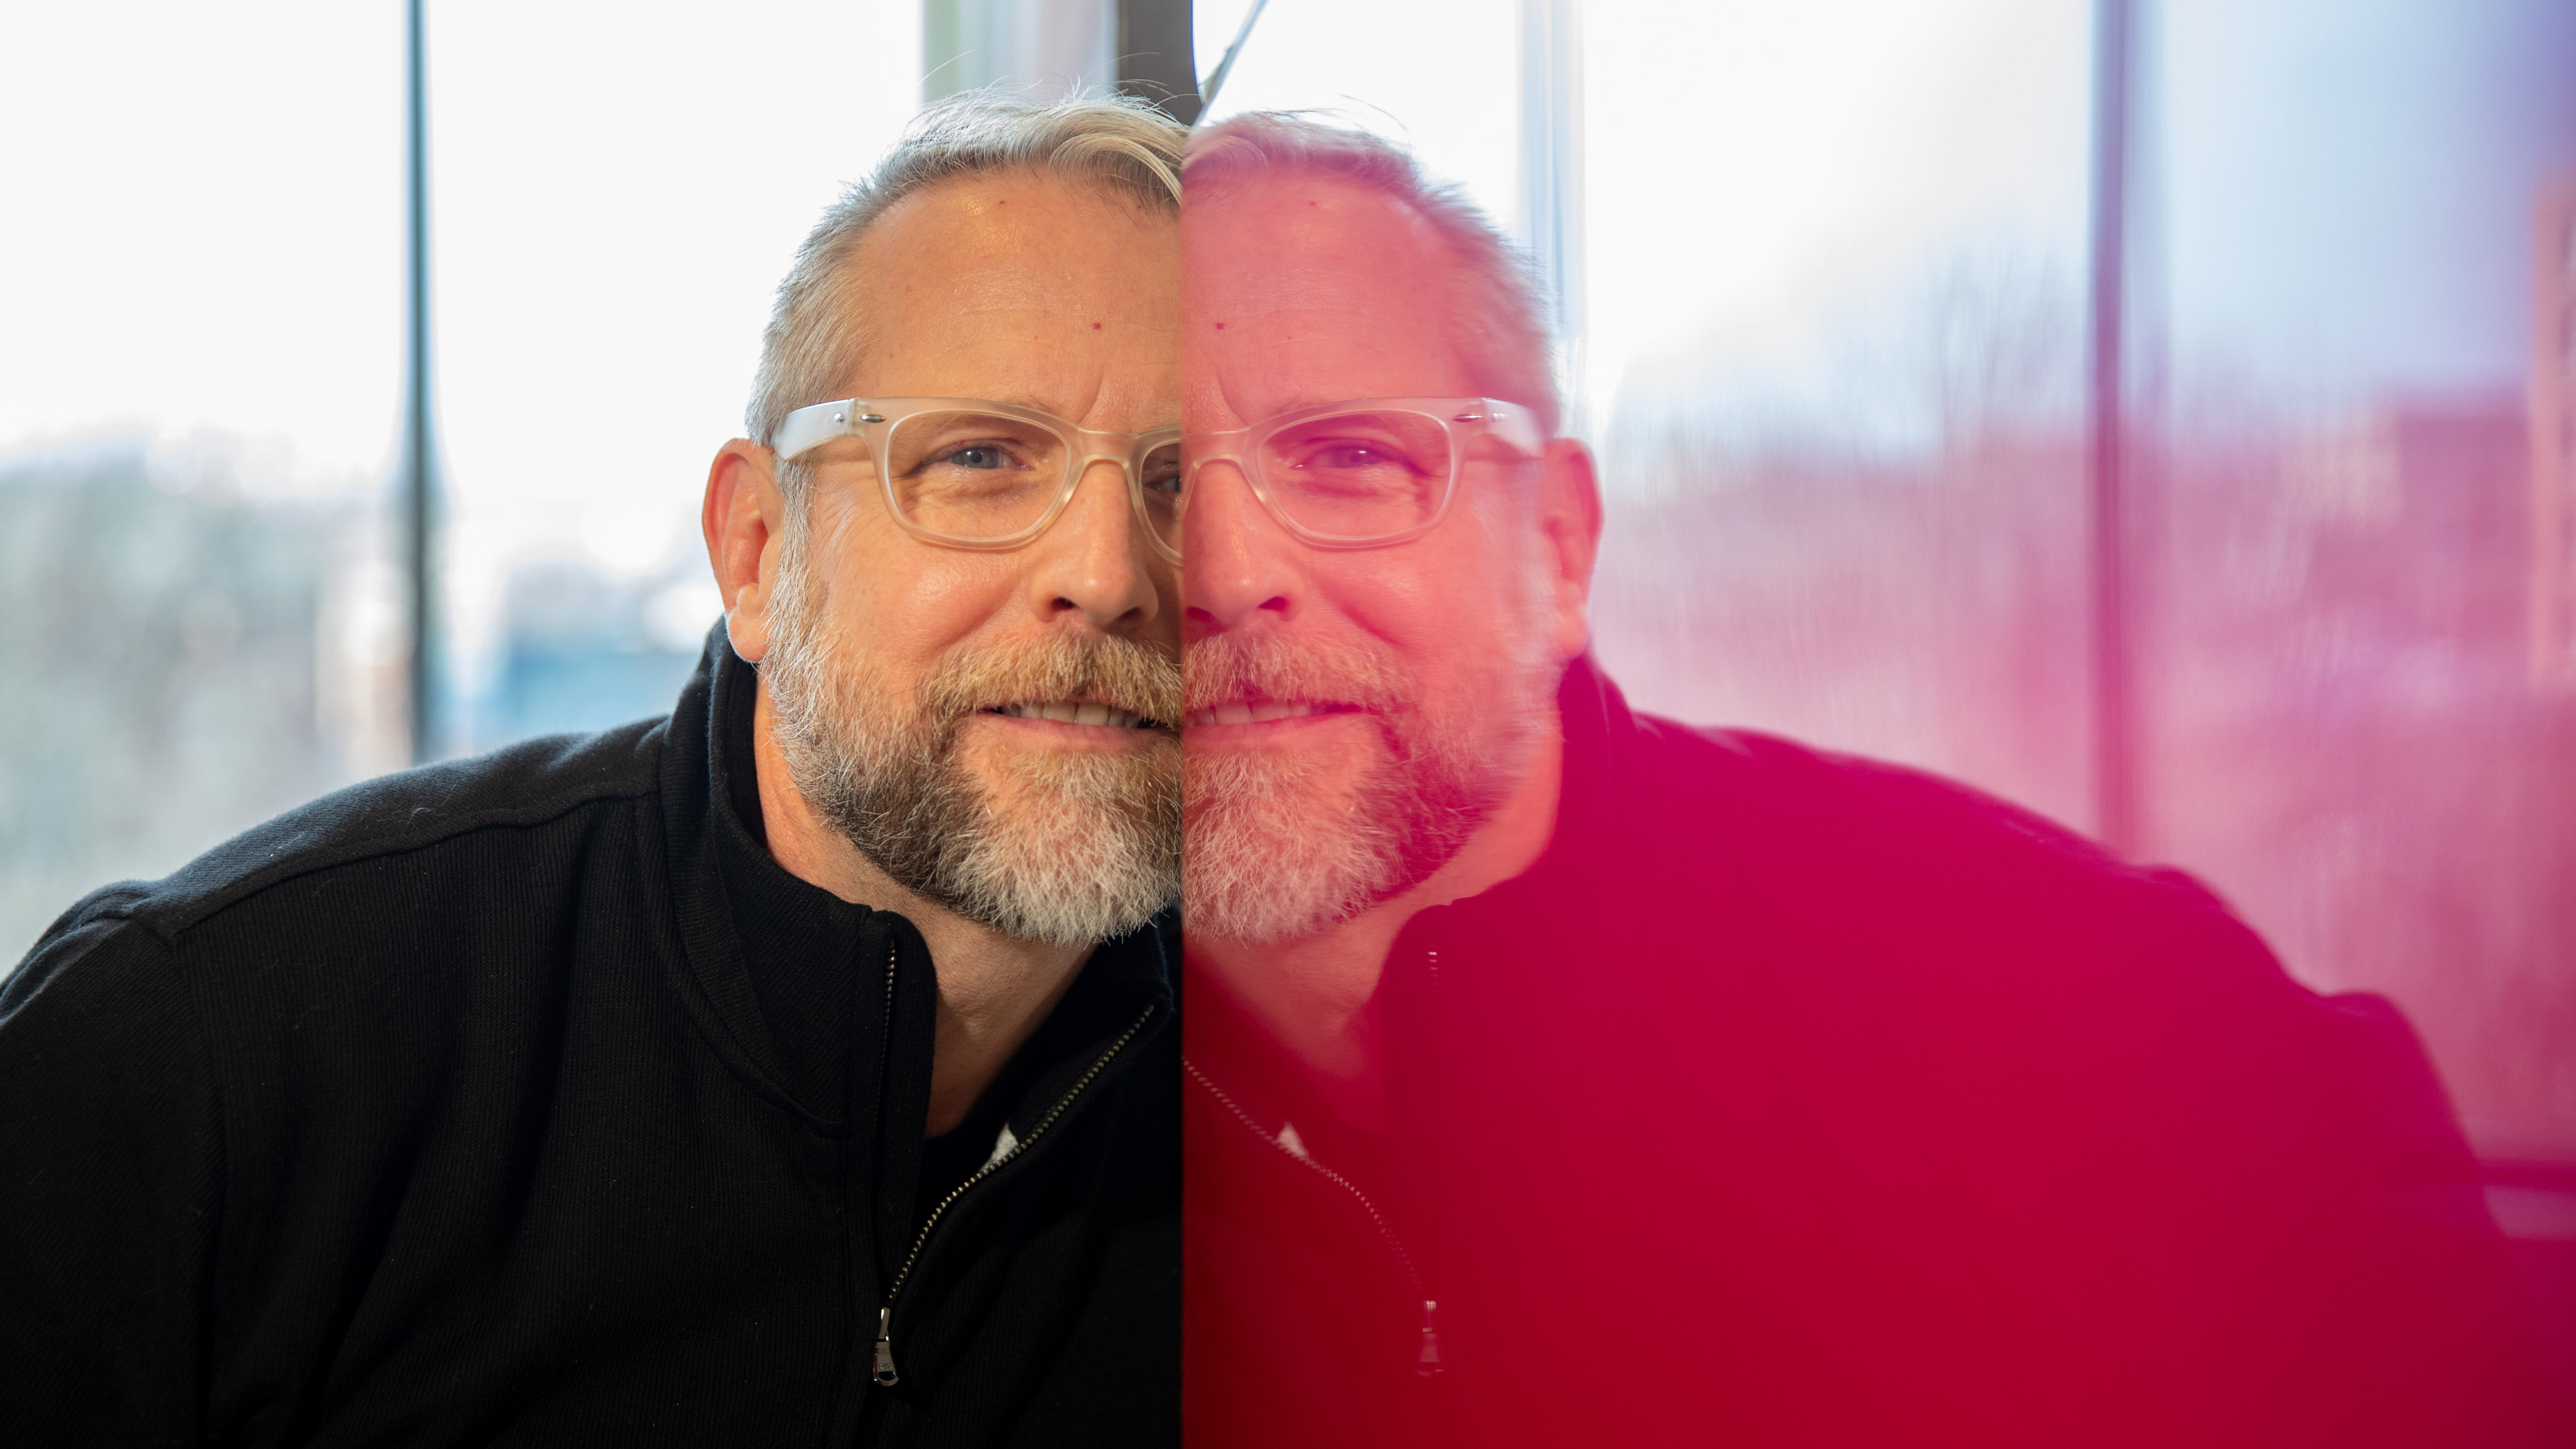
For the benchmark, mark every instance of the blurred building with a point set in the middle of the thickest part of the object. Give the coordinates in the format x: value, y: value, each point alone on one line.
x: 583, y: 647
x: 194, y: 651
x: 184, y: 661
x: 2344, y: 738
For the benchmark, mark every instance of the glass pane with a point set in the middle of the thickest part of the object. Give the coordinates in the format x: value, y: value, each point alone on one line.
x: 1440, y: 78
x: 2348, y: 733
x: 1836, y: 301
x: 200, y: 353
x: 611, y: 223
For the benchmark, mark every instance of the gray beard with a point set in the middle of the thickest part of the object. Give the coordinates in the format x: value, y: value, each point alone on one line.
x: 1069, y: 849
x: 1275, y: 851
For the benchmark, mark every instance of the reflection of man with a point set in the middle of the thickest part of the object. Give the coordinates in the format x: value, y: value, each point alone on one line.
x: 798, y: 1069
x: 1561, y: 1075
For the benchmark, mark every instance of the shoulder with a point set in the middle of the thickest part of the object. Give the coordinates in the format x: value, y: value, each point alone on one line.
x: 2091, y: 1075
x: 527, y: 786
x: 354, y: 939
x: 1927, y: 890
x: 454, y: 805
x: 1924, y: 931
x: 1755, y: 787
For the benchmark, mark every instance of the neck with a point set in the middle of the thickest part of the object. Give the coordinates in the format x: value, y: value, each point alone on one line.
x: 1312, y: 993
x: 994, y: 990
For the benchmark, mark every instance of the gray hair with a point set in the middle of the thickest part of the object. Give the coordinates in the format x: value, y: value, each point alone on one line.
x: 812, y: 347
x: 1497, y: 321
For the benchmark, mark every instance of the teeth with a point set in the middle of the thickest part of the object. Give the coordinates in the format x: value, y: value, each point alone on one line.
x: 1068, y: 712
x: 1232, y: 714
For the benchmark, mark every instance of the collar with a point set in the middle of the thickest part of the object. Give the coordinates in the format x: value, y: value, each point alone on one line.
x: 788, y: 974
x: 1597, y: 726
x: 799, y: 941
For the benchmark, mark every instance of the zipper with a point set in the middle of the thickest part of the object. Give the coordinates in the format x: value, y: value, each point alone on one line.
x: 884, y: 1372
x: 1427, y: 1361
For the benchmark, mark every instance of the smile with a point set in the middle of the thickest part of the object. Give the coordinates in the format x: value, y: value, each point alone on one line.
x: 1239, y: 712
x: 1079, y: 712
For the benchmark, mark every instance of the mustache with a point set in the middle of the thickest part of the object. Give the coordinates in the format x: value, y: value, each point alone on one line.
x: 1124, y: 673
x: 1226, y: 668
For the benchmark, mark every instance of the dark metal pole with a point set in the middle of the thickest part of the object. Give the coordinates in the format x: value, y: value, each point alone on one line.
x: 417, y: 453
x: 1215, y: 82
x: 1158, y: 56
x: 2114, y: 740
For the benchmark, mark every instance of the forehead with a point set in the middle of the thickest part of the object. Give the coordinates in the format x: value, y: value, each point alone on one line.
x: 1305, y: 289
x: 1012, y: 285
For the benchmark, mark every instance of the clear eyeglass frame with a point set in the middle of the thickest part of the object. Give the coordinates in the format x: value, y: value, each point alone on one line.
x: 874, y: 420
x: 1465, y: 419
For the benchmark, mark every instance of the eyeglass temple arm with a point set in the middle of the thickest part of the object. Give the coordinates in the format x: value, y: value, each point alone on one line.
x: 809, y: 428
x: 1512, y: 423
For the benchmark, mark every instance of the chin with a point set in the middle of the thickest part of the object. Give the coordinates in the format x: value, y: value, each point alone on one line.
x: 1069, y: 850
x: 1276, y: 849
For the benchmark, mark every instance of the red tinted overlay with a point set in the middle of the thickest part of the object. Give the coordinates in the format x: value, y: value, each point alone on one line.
x: 1560, y: 1074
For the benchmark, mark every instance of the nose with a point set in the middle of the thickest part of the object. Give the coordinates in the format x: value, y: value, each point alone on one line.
x: 1242, y: 566
x: 1095, y: 560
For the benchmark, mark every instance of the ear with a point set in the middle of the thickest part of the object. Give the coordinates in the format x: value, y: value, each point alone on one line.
x: 1569, y: 522
x: 744, y: 518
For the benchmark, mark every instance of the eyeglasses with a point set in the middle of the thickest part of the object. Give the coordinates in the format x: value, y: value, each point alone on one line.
x: 1367, y: 473
x: 968, y: 473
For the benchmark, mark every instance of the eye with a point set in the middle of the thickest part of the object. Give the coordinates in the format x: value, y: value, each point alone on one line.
x: 976, y: 455
x: 1350, y: 455
x: 1159, y: 474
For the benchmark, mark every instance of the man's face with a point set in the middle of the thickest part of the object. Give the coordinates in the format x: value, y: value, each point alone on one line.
x: 910, y: 680
x: 1413, y: 677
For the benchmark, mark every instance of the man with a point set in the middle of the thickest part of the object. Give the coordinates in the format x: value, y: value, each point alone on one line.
x: 797, y: 1069
x: 1560, y: 1075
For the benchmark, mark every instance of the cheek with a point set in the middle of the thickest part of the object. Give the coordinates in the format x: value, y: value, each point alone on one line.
x: 1453, y: 607
x: 904, y: 603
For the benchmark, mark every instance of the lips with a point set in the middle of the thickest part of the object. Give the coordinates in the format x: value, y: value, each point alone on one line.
x: 1076, y: 711
x: 1235, y: 712
x: 1234, y: 677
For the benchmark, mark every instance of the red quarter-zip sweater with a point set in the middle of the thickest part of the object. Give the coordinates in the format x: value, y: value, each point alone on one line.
x: 1792, y: 1099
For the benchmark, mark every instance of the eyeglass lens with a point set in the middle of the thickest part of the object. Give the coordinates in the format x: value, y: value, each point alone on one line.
x: 976, y: 475
x: 1364, y: 474
x: 1160, y: 481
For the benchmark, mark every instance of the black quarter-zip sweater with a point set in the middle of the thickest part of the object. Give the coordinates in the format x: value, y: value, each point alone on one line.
x: 525, y: 1100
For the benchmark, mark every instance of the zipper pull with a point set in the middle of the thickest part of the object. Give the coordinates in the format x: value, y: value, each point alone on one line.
x: 885, y: 1374
x: 1428, y: 1365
